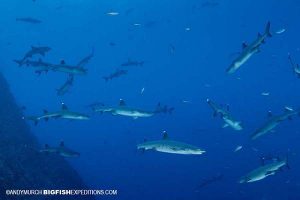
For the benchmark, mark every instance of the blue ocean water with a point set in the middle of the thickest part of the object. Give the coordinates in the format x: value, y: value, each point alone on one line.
x: 186, y: 47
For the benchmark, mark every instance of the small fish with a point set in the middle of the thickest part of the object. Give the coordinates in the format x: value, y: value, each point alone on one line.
x: 185, y: 101
x: 142, y: 91
x: 280, y: 31
x: 238, y: 148
x: 187, y: 29
x: 112, y: 13
x: 265, y: 93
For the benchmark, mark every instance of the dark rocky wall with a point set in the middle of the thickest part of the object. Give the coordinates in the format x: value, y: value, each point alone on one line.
x: 21, y: 165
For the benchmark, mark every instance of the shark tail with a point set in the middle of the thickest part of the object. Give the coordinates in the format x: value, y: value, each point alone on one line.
x: 34, y: 119
x: 19, y: 62
x: 267, y: 30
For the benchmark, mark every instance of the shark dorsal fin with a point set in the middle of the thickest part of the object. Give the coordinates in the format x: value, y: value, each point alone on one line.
x: 62, y: 144
x: 244, y: 45
x: 165, y: 135
x: 122, y: 102
x: 64, y: 107
x: 258, y: 35
x: 46, y: 146
x: 45, y: 111
x: 227, y: 107
x: 270, y: 114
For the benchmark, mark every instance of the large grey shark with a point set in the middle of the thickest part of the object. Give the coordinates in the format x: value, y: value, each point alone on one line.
x: 273, y: 123
x: 225, y: 115
x: 62, y: 150
x: 124, y: 110
x: 75, y: 70
x: 249, y: 50
x: 264, y: 171
x: 166, y: 145
x: 64, y: 113
x: 39, y: 66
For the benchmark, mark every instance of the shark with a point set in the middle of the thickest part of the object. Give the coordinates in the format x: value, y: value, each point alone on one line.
x: 85, y: 60
x: 116, y: 74
x: 75, y: 70
x: 66, y: 86
x: 273, y: 122
x: 249, y: 50
x: 295, y: 66
x: 124, y: 110
x: 64, y: 113
x: 62, y: 150
x: 41, y: 50
x: 229, y: 121
x: 264, y: 171
x: 132, y: 63
x: 29, y: 20
x: 167, y: 145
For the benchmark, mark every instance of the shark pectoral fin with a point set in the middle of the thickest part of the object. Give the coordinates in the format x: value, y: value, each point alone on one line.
x: 270, y: 173
x: 270, y: 114
x: 46, y: 119
x: 64, y: 107
x: 165, y: 135
x: 225, y: 125
x: 122, y: 102
x: 215, y: 114
x: 244, y: 45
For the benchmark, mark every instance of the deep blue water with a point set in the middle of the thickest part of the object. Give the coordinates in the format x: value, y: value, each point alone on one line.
x: 193, y: 72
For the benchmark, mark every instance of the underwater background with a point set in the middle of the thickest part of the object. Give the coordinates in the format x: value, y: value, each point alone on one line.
x: 186, y: 47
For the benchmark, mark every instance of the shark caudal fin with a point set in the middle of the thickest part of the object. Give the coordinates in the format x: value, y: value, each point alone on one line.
x: 19, y: 62
x: 267, y: 30
x: 32, y: 118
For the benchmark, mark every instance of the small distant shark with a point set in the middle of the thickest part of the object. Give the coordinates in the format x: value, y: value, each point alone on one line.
x: 225, y: 115
x: 66, y: 86
x: 62, y: 150
x: 249, y: 50
x: 124, y: 110
x: 295, y: 66
x: 64, y: 113
x: 210, y: 180
x: 42, y: 50
x: 75, y: 70
x: 132, y: 63
x: 85, y: 60
x: 116, y: 74
x: 29, y: 20
x: 273, y: 123
x: 264, y: 171
x: 166, y: 145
